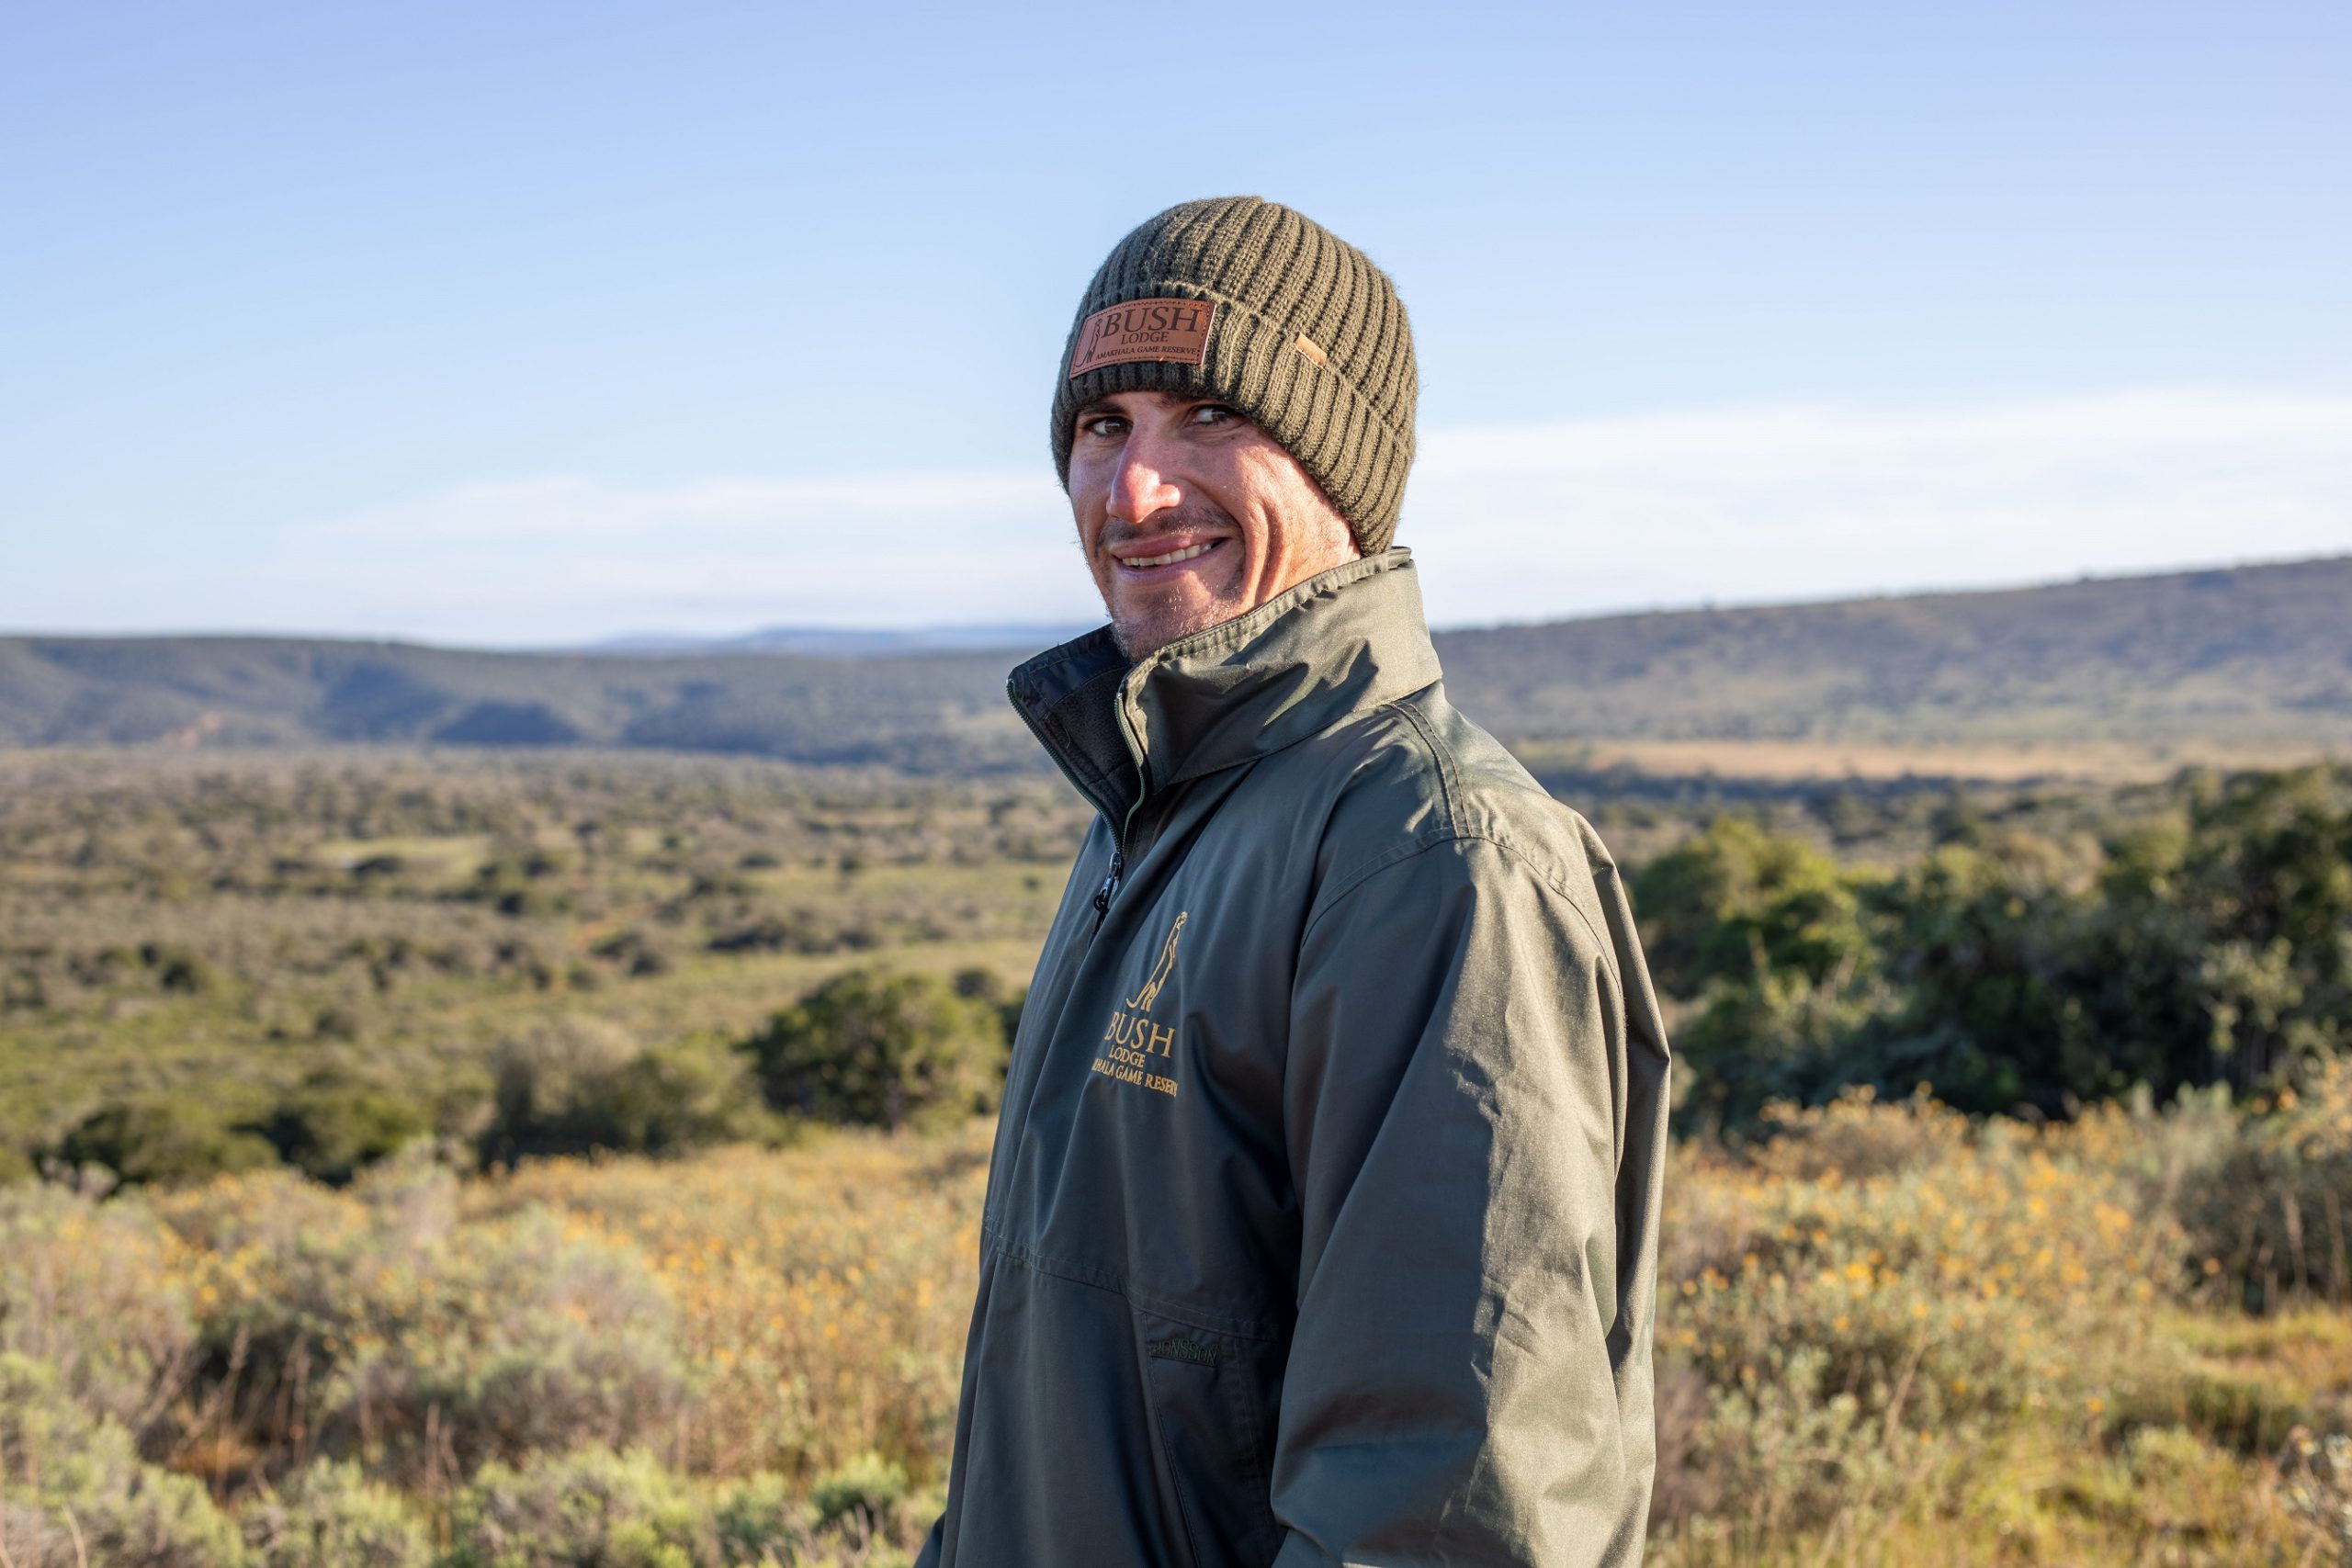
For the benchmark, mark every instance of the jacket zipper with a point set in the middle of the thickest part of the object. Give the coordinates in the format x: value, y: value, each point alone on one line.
x: 1110, y: 885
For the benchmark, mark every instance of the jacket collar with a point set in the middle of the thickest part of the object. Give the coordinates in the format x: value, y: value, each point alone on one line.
x: 1338, y: 643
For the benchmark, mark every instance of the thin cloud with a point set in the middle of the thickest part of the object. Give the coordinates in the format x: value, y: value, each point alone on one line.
x: 1768, y: 503
x: 1513, y: 523
x: 573, y: 506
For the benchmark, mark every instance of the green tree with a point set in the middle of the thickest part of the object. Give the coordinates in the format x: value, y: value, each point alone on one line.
x: 878, y: 1048
x: 582, y: 1086
x: 2210, y: 947
x: 168, y: 1138
x: 1776, y: 947
x: 331, y: 1126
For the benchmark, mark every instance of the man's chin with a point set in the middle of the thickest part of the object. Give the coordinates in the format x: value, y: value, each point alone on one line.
x: 1144, y: 632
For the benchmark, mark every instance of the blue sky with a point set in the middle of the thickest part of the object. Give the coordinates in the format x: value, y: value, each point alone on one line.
x: 526, y: 323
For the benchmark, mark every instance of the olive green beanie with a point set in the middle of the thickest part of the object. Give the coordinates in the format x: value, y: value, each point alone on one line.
x: 1248, y: 302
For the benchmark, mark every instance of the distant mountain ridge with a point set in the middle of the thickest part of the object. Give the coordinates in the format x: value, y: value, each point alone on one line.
x: 839, y: 642
x: 2257, y: 654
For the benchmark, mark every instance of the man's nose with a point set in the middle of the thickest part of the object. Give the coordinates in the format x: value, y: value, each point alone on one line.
x: 1143, y: 485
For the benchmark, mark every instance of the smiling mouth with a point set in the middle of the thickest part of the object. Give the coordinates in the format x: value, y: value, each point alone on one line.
x: 1143, y: 563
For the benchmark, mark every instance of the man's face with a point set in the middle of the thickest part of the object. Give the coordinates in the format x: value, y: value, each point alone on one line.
x: 1190, y: 514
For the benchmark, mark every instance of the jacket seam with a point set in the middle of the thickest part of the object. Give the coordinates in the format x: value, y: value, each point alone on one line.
x: 1151, y: 1302
x: 1458, y: 836
x: 1449, y: 787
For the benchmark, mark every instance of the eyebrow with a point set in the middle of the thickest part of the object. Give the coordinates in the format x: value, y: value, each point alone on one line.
x: 1101, y: 406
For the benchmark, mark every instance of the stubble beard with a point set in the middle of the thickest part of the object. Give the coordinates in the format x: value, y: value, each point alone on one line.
x: 1142, y: 633
x: 1141, y: 636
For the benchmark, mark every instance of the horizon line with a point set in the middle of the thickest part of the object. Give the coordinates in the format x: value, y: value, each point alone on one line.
x: 692, y: 645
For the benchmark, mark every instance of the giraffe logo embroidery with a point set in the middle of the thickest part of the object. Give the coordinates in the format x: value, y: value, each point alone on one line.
x: 1135, y: 1047
x: 1142, y: 1000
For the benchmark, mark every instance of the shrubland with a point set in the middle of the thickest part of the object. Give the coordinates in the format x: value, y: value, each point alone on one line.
x: 1888, y: 1333
x: 2007, y: 1223
x: 220, y: 965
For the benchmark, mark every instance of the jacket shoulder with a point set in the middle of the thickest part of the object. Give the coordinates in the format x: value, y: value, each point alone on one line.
x: 1415, y: 773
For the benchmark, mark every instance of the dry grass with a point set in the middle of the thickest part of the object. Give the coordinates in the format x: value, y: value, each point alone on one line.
x: 1887, y: 1337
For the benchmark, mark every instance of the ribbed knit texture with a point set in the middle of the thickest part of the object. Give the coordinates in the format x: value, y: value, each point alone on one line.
x: 1275, y: 275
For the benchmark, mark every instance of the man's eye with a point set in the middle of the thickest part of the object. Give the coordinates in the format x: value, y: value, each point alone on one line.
x: 1105, y: 425
x: 1213, y: 414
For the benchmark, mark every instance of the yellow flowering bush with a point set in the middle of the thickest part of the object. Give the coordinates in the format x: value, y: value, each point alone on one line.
x: 371, y: 1321
x: 95, y: 1292
x: 1887, y: 1333
x: 1844, y: 1324
x: 2275, y: 1221
x: 820, y: 1290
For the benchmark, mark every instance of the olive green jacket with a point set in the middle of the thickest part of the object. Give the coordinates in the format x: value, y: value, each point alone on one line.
x: 1322, y: 1221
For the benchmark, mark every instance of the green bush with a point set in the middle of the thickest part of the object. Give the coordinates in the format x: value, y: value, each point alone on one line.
x: 74, y: 1492
x: 1776, y: 949
x: 636, y: 951
x: 593, y: 1506
x: 179, y: 970
x: 368, y: 1321
x: 868, y: 1495
x: 583, y: 1087
x: 536, y: 1341
x: 331, y: 1126
x: 89, y: 1290
x: 1783, y: 1455
x: 2013, y: 972
x: 332, y: 1516
x: 757, y: 1521
x: 626, y: 1510
x: 172, y: 1137
x: 984, y: 985
x: 2317, y: 1475
x: 882, y: 1049
x: 2272, y: 1212
x: 1955, y: 1277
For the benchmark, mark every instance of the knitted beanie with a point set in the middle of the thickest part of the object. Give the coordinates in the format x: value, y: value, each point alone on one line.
x: 1250, y: 303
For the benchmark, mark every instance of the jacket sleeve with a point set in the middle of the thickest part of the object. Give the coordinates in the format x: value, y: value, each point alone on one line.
x: 1474, y: 1106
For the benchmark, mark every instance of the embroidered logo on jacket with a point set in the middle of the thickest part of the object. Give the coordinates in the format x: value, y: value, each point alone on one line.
x: 1162, y: 969
x: 1177, y: 1347
x: 1135, y: 1047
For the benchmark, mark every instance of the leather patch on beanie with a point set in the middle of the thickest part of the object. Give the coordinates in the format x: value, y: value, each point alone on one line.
x: 1172, y: 330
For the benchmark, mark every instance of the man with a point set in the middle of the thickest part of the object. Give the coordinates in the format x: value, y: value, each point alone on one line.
x: 1322, y: 1226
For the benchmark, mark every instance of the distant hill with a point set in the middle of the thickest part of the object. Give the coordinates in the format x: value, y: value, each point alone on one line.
x: 842, y: 642
x: 2258, y: 653
x: 2251, y: 654
x: 925, y: 712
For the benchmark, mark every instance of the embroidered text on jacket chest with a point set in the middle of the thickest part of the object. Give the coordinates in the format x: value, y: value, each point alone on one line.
x: 1137, y: 1048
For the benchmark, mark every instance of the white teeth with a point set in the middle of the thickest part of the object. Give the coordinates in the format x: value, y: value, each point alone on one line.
x: 1171, y: 558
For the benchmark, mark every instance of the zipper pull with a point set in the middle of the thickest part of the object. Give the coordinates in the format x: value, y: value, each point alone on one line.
x: 1110, y: 883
